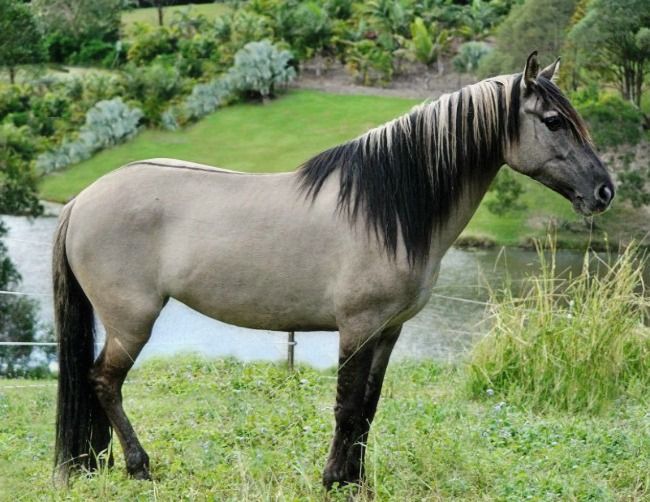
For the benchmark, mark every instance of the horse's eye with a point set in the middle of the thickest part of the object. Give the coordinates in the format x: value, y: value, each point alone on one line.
x: 553, y: 123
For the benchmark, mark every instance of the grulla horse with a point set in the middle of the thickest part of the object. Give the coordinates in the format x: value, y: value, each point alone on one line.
x: 351, y: 241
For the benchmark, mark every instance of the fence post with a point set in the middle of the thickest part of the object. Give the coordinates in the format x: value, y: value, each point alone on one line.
x: 290, y: 346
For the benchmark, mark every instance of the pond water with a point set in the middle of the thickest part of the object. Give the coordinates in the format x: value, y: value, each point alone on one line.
x: 443, y: 330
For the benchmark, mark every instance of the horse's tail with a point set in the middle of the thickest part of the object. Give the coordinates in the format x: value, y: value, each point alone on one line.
x: 82, y: 427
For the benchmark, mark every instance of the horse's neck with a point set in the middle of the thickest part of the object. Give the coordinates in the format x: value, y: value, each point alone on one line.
x: 464, y: 208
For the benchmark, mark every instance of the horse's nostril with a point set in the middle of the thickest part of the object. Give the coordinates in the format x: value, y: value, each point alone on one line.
x: 604, y: 193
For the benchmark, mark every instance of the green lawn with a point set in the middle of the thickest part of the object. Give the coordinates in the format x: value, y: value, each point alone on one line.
x: 149, y: 15
x: 282, y: 134
x: 223, y: 430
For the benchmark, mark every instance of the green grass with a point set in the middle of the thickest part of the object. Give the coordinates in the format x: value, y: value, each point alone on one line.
x: 569, y: 343
x: 282, y: 134
x: 149, y: 15
x: 223, y: 430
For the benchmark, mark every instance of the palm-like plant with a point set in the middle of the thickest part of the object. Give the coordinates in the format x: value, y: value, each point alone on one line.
x: 427, y: 44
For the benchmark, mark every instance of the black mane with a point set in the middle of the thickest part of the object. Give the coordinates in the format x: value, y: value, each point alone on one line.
x: 407, y: 175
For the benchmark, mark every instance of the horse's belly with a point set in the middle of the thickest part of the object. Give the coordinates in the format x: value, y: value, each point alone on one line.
x: 275, y: 311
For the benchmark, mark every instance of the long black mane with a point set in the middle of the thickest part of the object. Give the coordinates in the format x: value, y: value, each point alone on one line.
x: 407, y: 175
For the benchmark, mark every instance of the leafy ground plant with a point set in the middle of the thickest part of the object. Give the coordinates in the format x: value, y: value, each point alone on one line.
x: 572, y: 344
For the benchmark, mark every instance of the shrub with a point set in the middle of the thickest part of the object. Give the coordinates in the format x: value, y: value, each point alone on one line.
x: 260, y: 68
x: 369, y: 62
x: 506, y: 190
x: 95, y: 51
x: 18, y: 194
x: 195, y: 53
x: 107, y: 123
x: 149, y: 42
x: 306, y: 27
x: 572, y: 344
x: 153, y: 86
x: 469, y: 56
x: 14, y: 98
x: 613, y: 121
x: 246, y: 27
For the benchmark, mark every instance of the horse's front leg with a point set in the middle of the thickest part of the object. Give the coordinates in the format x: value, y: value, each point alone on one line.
x: 360, y: 376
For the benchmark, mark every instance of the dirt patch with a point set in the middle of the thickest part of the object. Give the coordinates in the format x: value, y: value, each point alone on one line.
x: 415, y: 81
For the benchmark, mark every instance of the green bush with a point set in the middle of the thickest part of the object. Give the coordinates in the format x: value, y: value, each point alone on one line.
x: 612, y: 120
x: 533, y: 25
x: 18, y: 194
x: 505, y: 190
x: 198, y: 55
x: 148, y: 42
x: 153, y: 86
x: 306, y: 27
x: 95, y: 51
x: 369, y: 62
x: 572, y: 344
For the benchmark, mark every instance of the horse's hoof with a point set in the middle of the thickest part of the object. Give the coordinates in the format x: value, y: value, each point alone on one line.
x: 141, y: 474
x: 333, y: 475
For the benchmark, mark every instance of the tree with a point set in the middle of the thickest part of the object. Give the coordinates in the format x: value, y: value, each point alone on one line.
x: 20, y: 39
x: 614, y: 41
x: 160, y: 7
x: 534, y: 25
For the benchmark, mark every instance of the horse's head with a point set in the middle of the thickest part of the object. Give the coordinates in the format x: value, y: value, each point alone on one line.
x: 553, y: 144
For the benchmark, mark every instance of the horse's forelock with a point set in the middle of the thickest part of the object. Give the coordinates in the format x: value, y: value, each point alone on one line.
x: 555, y: 99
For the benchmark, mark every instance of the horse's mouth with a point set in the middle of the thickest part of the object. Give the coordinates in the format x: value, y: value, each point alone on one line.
x: 581, y: 206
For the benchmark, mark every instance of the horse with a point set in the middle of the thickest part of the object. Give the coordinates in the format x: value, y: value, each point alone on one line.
x: 350, y: 241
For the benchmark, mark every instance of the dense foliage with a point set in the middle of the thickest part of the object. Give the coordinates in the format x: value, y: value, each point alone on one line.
x: 533, y: 25
x: 613, y: 39
x: 80, y: 31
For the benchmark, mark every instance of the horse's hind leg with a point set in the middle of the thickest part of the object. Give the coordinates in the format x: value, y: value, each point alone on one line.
x: 360, y: 377
x: 108, y: 374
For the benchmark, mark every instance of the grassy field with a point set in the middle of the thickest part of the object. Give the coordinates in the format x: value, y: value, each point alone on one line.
x: 280, y: 135
x: 149, y: 15
x: 223, y: 430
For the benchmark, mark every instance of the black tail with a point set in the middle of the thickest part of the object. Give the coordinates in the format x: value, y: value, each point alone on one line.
x: 82, y: 428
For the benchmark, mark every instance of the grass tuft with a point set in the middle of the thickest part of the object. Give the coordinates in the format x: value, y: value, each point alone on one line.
x: 567, y: 343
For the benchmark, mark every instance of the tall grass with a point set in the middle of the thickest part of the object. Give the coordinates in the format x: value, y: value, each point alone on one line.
x: 568, y: 343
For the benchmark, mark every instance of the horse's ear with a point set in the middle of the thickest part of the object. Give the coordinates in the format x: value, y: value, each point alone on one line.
x: 531, y: 70
x: 552, y: 71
